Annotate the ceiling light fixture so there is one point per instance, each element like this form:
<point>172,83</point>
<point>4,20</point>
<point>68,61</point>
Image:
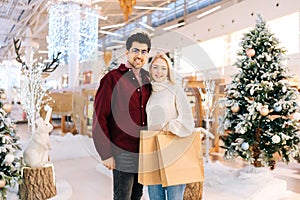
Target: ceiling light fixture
<point>112,26</point>
<point>150,8</point>
<point>110,33</point>
<point>114,47</point>
<point>147,26</point>
<point>102,17</point>
<point>118,41</point>
<point>208,12</point>
<point>84,2</point>
<point>41,51</point>
<point>96,14</point>
<point>97,1</point>
<point>173,26</point>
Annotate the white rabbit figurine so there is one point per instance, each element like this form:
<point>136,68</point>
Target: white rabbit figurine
<point>36,154</point>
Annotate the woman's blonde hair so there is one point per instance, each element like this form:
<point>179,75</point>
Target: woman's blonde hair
<point>169,65</point>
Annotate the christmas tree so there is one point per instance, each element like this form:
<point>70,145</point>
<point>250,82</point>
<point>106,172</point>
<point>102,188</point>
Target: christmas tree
<point>9,148</point>
<point>260,102</point>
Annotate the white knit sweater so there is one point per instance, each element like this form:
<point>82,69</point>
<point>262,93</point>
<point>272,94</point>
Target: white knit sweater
<point>168,109</point>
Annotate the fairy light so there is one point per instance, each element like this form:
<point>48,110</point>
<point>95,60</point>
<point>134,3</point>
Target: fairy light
<point>64,16</point>
<point>210,106</point>
<point>33,92</point>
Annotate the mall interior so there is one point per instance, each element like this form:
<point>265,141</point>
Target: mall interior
<point>53,53</point>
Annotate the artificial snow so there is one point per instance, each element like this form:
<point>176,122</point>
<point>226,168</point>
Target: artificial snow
<point>80,175</point>
<point>248,183</point>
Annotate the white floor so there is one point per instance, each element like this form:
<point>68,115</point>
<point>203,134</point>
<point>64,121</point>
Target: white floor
<point>80,175</point>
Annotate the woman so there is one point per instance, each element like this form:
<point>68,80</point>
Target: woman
<point>167,109</point>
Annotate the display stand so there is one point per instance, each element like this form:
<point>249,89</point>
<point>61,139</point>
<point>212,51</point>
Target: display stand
<point>193,191</point>
<point>76,103</point>
<point>196,84</point>
<point>38,183</point>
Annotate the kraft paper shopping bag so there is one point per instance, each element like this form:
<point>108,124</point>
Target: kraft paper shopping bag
<point>180,158</point>
<point>149,173</point>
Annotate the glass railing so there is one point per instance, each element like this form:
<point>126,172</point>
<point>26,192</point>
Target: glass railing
<point>159,18</point>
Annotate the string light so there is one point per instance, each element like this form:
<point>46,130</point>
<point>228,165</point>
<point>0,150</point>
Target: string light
<point>33,92</point>
<point>63,17</point>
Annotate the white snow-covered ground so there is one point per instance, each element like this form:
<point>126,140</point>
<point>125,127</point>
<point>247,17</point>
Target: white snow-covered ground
<point>248,183</point>
<point>80,175</point>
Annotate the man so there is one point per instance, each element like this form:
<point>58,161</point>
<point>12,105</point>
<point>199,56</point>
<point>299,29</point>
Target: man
<point>119,116</point>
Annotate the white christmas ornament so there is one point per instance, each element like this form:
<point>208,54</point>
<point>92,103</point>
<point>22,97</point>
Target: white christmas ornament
<point>264,111</point>
<point>245,146</point>
<point>277,108</point>
<point>276,139</point>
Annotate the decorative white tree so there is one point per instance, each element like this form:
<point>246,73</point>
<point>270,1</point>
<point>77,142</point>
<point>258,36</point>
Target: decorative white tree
<point>33,93</point>
<point>260,102</point>
<point>210,91</point>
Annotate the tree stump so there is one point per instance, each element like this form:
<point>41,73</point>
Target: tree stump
<point>193,191</point>
<point>37,183</point>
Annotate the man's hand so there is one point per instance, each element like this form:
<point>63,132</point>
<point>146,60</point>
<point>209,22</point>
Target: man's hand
<point>109,163</point>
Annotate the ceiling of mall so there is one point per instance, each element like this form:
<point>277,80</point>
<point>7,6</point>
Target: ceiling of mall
<point>28,19</point>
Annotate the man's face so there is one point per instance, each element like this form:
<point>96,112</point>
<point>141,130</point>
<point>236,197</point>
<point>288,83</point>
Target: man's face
<point>137,54</point>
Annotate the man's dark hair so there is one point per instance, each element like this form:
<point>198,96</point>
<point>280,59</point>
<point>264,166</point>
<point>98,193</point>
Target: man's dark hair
<point>139,37</point>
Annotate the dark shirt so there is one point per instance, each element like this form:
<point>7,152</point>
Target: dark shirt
<point>119,112</point>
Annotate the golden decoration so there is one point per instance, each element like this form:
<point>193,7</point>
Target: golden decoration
<point>107,55</point>
<point>7,107</point>
<point>2,183</point>
<point>126,6</point>
<point>250,52</point>
<point>3,96</point>
<point>235,108</point>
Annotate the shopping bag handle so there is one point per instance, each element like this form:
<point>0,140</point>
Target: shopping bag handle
<point>161,131</point>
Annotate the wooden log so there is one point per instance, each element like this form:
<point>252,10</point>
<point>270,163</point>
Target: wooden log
<point>193,191</point>
<point>37,183</point>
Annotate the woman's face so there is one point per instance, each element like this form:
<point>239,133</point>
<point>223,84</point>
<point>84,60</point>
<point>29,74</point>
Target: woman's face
<point>159,70</point>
